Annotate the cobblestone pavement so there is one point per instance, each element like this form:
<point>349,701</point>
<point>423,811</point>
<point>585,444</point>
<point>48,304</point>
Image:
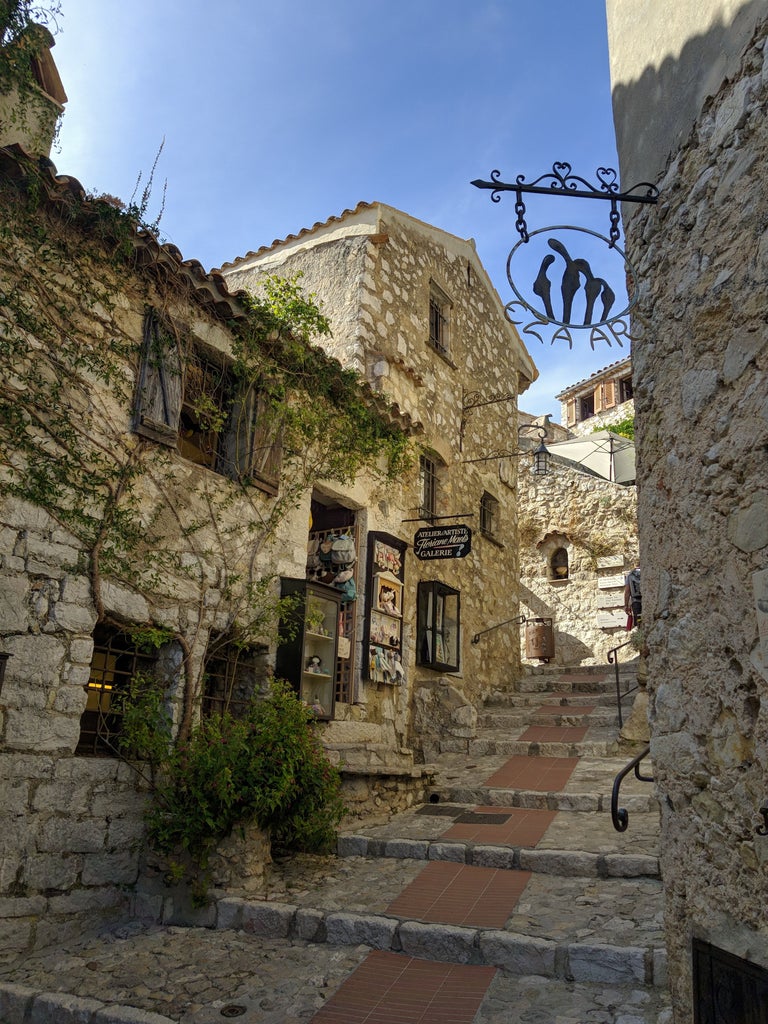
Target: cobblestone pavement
<point>580,943</point>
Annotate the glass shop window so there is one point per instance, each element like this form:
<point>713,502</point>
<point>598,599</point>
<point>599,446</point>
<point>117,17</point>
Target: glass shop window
<point>438,626</point>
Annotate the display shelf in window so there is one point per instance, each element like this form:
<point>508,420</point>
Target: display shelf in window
<point>438,623</point>
<point>306,655</point>
<point>384,610</point>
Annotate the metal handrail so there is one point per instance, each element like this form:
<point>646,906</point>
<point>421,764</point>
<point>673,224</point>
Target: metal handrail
<point>620,815</point>
<point>613,660</point>
<point>518,618</point>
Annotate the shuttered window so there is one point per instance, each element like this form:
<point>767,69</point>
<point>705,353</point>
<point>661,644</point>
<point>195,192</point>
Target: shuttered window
<point>189,399</point>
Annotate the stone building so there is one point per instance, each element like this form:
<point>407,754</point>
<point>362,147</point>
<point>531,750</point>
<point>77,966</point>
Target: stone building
<point>604,398</point>
<point>84,609</point>
<point>578,539</point>
<point>412,309</point>
<point>690,91</point>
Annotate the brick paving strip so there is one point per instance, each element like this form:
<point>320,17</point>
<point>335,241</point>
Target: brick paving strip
<point>391,989</point>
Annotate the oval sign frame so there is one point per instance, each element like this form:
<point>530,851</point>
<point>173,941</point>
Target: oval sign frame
<point>562,323</point>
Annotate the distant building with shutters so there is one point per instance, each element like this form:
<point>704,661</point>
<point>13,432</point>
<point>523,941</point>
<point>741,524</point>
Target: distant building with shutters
<point>602,399</point>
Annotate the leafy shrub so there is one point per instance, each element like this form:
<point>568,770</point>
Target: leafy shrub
<point>266,766</point>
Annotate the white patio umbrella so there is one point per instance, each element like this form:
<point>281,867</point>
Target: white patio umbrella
<point>605,453</point>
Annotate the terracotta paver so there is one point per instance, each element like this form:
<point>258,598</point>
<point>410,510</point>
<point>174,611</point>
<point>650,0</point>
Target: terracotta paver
<point>388,988</point>
<point>553,734</point>
<point>516,826</point>
<point>449,893</point>
<point>542,774</point>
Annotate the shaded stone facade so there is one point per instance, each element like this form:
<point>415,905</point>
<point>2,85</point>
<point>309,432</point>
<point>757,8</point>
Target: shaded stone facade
<point>701,379</point>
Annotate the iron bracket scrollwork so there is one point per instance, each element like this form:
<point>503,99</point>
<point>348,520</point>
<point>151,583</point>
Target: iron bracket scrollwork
<point>762,830</point>
<point>560,181</point>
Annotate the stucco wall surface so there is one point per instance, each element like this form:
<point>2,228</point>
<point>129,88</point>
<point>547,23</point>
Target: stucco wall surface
<point>667,59</point>
<point>701,380</point>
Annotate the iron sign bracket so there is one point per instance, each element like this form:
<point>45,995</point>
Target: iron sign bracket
<point>560,181</point>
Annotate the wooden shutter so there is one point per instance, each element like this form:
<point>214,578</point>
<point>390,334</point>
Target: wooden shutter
<point>598,398</point>
<point>610,394</point>
<point>570,414</point>
<point>253,447</point>
<point>160,385</point>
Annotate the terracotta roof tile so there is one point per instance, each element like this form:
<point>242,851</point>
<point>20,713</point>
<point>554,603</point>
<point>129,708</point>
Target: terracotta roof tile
<point>301,234</point>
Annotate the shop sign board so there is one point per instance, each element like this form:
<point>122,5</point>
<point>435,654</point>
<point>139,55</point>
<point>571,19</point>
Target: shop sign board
<point>432,542</point>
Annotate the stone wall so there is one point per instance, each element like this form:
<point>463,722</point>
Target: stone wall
<point>595,522</point>
<point>71,829</point>
<point>372,270</point>
<point>701,379</point>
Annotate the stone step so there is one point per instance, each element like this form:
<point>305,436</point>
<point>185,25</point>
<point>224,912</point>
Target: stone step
<point>284,981</point>
<point>558,926</point>
<point>569,715</point>
<point>548,1000</point>
<point>502,744</point>
<point>506,827</point>
<point>563,863</point>
<point>535,698</point>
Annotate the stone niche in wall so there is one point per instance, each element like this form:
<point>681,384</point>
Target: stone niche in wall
<point>556,553</point>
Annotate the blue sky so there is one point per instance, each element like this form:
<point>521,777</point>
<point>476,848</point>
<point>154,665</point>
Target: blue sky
<point>278,115</point>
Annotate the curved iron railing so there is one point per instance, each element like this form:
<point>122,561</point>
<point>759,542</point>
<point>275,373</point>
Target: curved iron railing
<point>614,660</point>
<point>620,815</point>
<point>518,618</point>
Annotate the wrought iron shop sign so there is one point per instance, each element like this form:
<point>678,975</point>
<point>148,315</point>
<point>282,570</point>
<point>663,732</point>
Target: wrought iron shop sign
<point>566,294</point>
<point>432,542</point>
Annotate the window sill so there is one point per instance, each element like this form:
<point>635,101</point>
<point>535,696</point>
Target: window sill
<point>445,356</point>
<point>493,539</point>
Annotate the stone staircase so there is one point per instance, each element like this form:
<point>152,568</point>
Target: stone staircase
<point>506,896</point>
<point>512,865</point>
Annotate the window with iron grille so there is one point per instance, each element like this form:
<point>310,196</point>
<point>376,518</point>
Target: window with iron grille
<point>427,487</point>
<point>187,398</point>
<point>232,675</point>
<point>115,663</point>
<point>439,320</point>
<point>489,515</point>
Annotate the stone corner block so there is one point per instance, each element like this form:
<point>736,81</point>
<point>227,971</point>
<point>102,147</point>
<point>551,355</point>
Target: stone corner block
<point>445,943</point>
<point>309,925</point>
<point>416,849</point>
<point>15,1001</point>
<point>566,863</point>
<point>269,920</point>
<point>356,929</point>
<point>61,1008</point>
<point>229,913</point>
<point>612,964</point>
<point>128,1015</point>
<point>660,976</point>
<point>456,852</point>
<point>352,846</point>
<point>502,857</point>
<point>627,865</point>
<point>518,954</point>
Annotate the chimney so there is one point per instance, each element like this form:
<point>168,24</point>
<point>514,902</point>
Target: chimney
<point>32,97</point>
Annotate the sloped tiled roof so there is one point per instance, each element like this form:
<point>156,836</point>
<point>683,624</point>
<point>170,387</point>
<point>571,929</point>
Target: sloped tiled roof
<point>165,259</point>
<point>612,367</point>
<point>336,219</point>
